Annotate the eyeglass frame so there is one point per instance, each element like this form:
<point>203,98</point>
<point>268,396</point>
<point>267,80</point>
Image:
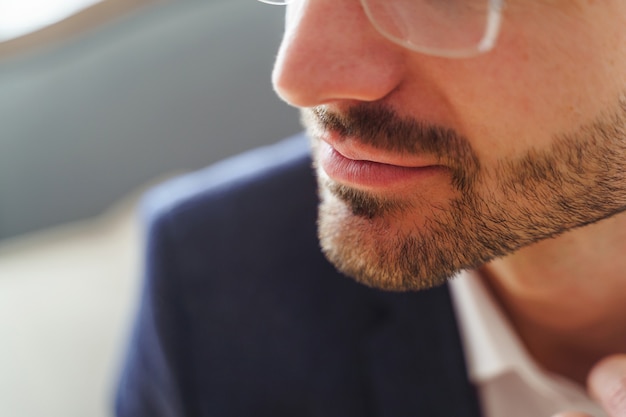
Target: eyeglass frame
<point>486,44</point>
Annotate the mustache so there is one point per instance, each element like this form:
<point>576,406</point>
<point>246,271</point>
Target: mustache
<point>380,127</point>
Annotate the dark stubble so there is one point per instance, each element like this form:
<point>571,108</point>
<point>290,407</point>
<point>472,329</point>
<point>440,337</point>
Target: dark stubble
<point>580,178</point>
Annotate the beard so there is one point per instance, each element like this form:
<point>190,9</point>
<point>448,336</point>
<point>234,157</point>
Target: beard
<point>412,242</point>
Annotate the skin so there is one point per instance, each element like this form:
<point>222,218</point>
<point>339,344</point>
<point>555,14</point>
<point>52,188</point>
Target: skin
<point>558,68</point>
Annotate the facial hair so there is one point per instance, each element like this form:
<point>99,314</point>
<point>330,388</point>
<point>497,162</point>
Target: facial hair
<point>408,242</point>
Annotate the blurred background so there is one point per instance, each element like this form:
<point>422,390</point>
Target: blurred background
<point>99,100</point>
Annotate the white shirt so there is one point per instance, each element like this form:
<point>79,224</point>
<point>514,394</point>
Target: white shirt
<point>509,382</point>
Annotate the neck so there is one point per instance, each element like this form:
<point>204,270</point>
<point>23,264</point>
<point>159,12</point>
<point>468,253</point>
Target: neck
<point>566,297</point>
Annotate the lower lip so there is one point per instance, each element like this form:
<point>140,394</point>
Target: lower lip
<point>368,174</point>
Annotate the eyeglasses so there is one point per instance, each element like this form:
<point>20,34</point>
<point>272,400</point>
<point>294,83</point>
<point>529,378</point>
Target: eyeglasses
<point>446,28</point>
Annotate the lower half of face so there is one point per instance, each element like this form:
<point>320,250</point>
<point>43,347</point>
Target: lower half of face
<point>400,228</point>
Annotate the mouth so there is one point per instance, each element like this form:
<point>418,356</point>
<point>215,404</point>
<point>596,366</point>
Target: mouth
<point>374,170</point>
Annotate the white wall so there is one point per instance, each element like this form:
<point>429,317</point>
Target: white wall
<point>172,89</point>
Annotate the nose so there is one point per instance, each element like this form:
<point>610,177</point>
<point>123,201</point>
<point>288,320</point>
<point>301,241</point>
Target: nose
<point>330,52</point>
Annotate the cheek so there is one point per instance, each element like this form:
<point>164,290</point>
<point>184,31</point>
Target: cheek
<point>532,86</point>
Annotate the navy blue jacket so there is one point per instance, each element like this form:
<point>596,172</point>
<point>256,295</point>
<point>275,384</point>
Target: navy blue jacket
<point>242,316</point>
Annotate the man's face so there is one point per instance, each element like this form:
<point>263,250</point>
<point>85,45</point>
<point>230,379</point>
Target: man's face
<point>429,165</point>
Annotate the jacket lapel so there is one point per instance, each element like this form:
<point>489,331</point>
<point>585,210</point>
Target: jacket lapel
<point>415,359</point>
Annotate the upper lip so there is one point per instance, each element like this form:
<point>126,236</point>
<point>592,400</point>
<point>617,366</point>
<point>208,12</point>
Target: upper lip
<point>353,149</point>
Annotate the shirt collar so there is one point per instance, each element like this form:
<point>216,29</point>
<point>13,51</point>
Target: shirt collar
<point>492,347</point>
